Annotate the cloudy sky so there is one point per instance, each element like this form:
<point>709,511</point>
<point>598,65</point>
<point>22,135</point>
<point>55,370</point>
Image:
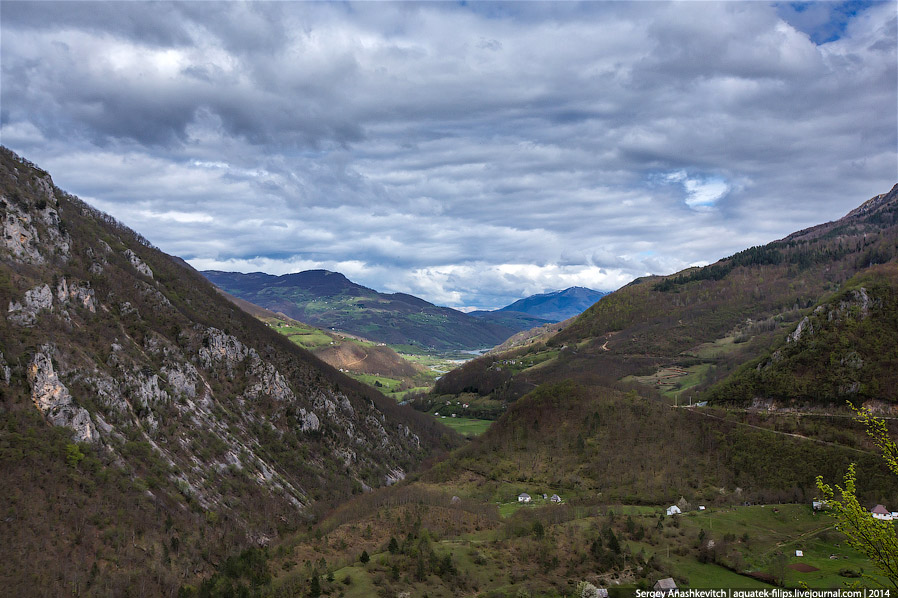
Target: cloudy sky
<point>467,153</point>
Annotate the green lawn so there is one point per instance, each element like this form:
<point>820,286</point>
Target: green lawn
<point>719,348</point>
<point>466,426</point>
<point>387,385</point>
<point>674,380</point>
<point>307,337</point>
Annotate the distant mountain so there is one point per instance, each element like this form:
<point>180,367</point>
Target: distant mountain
<point>513,320</point>
<point>553,307</point>
<point>330,300</point>
<point>540,312</point>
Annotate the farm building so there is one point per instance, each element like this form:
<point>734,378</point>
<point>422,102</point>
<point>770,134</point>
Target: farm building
<point>666,586</point>
<point>673,510</point>
<point>523,497</point>
<point>880,512</point>
<point>555,498</point>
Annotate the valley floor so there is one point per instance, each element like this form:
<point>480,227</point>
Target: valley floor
<point>418,541</point>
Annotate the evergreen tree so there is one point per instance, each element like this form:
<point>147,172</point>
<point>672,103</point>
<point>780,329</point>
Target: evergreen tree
<point>315,587</point>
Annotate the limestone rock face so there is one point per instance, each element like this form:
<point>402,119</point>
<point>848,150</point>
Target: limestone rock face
<point>308,421</point>
<point>52,398</point>
<point>31,228</point>
<point>35,300</point>
<point>19,235</point>
<point>40,298</point>
<point>138,263</point>
<point>219,347</point>
<point>137,362</point>
<point>804,327</point>
<point>227,350</point>
<point>79,294</point>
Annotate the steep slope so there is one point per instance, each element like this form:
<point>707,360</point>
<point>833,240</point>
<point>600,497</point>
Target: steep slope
<point>846,349</point>
<point>148,426</point>
<point>703,321</point>
<point>598,444</point>
<point>330,300</point>
<point>338,350</point>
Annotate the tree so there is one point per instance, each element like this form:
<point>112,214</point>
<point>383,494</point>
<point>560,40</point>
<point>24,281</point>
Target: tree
<point>779,566</point>
<point>876,539</point>
<point>315,587</point>
<point>586,590</point>
<point>364,558</point>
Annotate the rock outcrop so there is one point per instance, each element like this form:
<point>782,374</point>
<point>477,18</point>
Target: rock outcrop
<point>53,399</point>
<point>138,263</point>
<point>188,406</point>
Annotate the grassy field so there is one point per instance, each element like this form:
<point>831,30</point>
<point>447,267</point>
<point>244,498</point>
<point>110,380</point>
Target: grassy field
<point>672,381</point>
<point>542,549</point>
<point>307,337</point>
<point>387,385</point>
<point>767,537</point>
<point>466,426</point>
<point>719,348</point>
<point>438,362</point>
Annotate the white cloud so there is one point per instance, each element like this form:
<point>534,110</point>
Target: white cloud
<point>466,156</point>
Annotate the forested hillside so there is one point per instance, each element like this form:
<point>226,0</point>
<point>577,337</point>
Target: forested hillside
<point>148,427</point>
<point>330,300</point>
<point>706,322</point>
<point>845,349</point>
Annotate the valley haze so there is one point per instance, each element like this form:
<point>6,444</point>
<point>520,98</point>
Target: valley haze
<point>469,154</point>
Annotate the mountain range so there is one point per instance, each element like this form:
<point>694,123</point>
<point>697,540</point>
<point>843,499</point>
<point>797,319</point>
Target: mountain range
<point>720,390</point>
<point>330,300</point>
<point>156,439</point>
<point>552,307</point>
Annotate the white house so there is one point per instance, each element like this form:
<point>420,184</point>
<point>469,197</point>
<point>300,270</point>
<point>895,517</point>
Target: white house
<point>880,512</point>
<point>523,497</point>
<point>673,510</point>
<point>555,498</point>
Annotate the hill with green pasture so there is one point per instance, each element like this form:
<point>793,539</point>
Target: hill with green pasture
<point>331,301</point>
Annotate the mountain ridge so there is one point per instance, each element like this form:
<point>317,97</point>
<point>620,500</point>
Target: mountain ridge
<point>129,385</point>
<point>557,306</point>
<point>330,300</point>
<point>709,319</point>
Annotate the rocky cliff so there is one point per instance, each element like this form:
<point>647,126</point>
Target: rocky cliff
<point>219,428</point>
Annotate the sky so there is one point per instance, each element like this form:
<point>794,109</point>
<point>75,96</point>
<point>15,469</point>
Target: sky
<point>467,153</point>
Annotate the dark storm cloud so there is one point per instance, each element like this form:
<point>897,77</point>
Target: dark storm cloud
<point>467,154</point>
<point>158,24</point>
